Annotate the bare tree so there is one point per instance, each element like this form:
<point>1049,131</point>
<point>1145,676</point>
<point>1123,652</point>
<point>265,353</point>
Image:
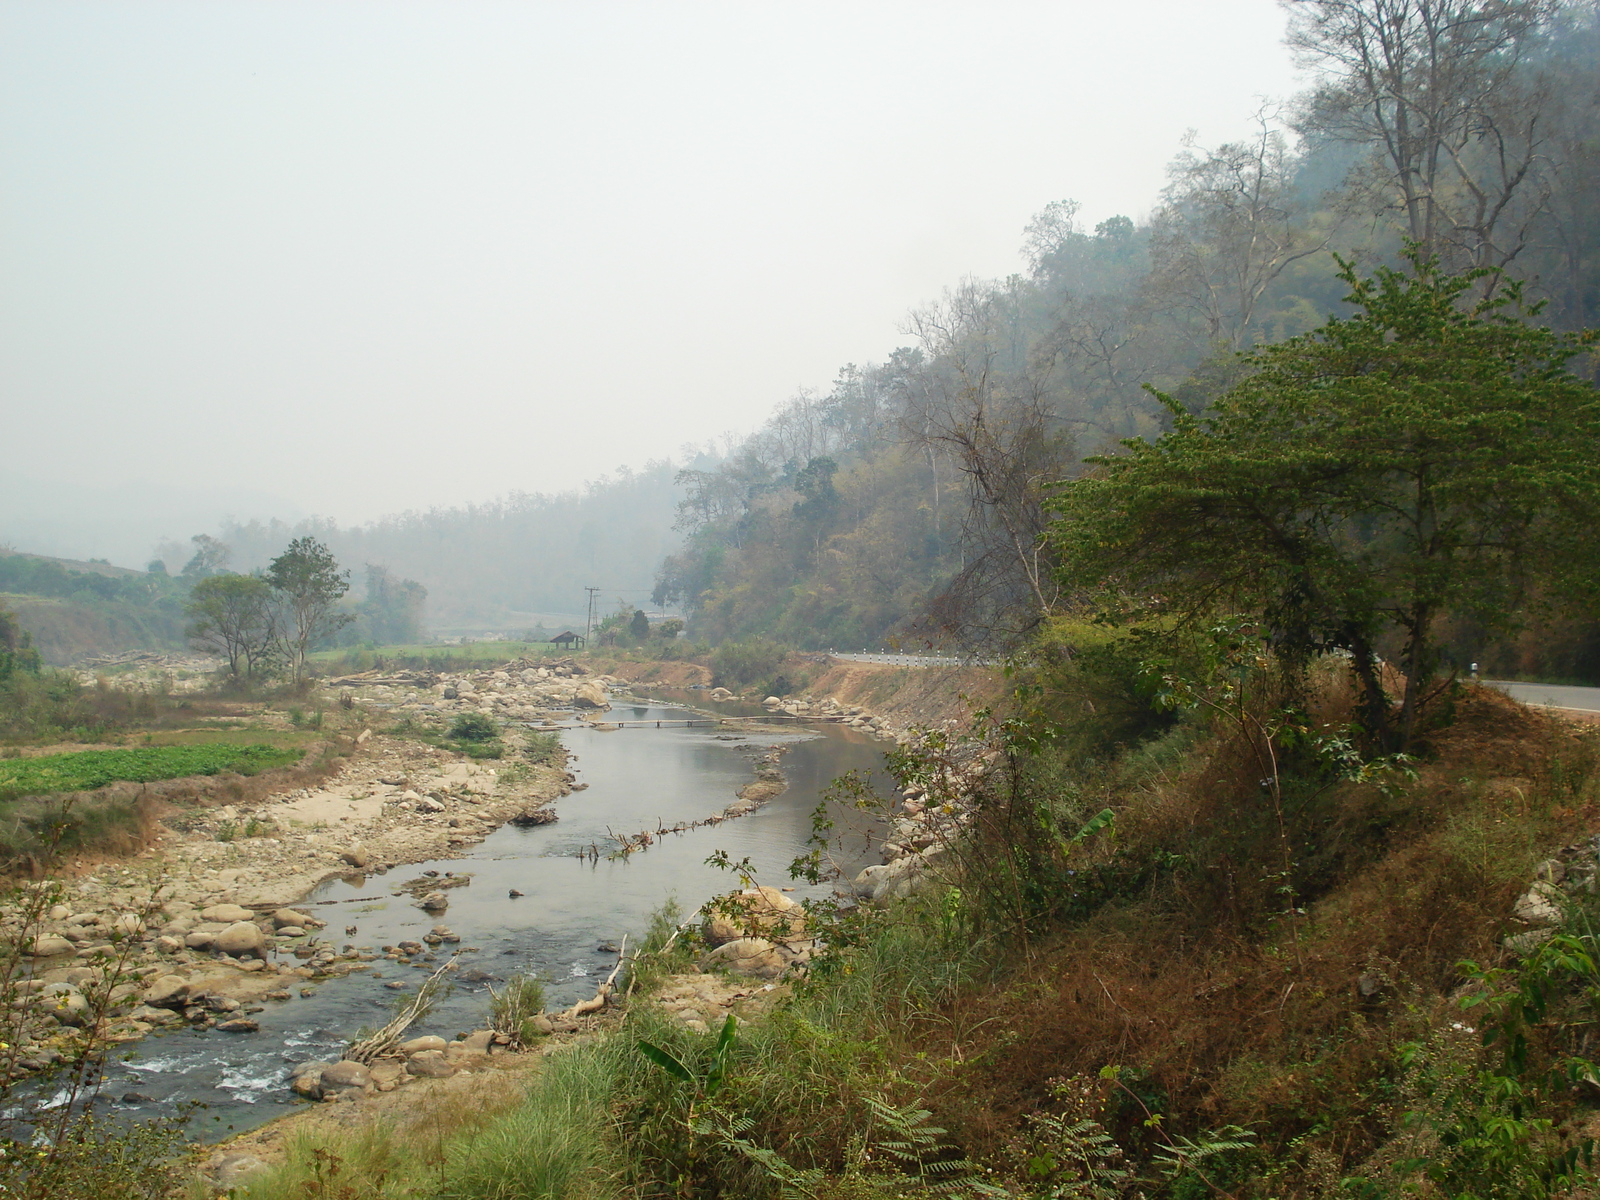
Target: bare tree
<point>1231,225</point>
<point>977,401</point>
<point>1438,89</point>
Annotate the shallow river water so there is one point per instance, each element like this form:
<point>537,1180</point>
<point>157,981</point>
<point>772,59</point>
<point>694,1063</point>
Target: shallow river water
<point>570,907</point>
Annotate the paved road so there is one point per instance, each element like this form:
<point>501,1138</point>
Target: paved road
<point>1557,695</point>
<point>903,660</point>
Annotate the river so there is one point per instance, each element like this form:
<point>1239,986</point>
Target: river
<point>637,777</point>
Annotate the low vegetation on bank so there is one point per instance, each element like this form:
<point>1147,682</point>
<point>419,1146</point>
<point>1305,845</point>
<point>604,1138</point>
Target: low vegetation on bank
<point>1182,949</point>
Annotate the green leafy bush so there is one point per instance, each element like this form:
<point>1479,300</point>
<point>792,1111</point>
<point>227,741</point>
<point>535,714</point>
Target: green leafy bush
<point>473,727</point>
<point>737,665</point>
<point>513,1008</point>
<point>542,748</point>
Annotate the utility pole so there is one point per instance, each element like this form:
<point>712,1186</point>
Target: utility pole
<point>588,627</point>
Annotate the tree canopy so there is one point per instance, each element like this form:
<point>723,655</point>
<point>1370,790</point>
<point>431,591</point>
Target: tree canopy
<point>308,579</point>
<point>1423,457</point>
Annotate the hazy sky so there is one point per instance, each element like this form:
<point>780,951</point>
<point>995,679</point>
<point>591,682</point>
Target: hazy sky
<point>348,258</point>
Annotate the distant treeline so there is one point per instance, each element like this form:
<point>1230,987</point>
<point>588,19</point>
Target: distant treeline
<point>494,563</point>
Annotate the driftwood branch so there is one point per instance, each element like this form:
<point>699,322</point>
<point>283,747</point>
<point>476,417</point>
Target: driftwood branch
<point>584,1007</point>
<point>369,1049</point>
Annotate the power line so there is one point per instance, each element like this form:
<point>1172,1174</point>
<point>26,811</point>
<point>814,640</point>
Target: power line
<point>588,627</point>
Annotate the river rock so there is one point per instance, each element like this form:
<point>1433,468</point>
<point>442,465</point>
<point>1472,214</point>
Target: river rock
<point>226,914</point>
<point>590,695</point>
<point>430,1064</point>
<point>66,1004</point>
<point>429,804</point>
<point>128,925</point>
<point>168,945</point>
<point>154,1016</point>
<point>356,856</point>
<point>308,1083</point>
<point>346,1074</point>
<point>419,1045</point>
<point>434,902</point>
<point>288,918</point>
<point>763,911</point>
<point>755,957</point>
<point>906,876</point>
<point>49,945</point>
<point>241,938</point>
<point>1540,904</point>
<point>720,694</point>
<point>200,939</point>
<point>168,991</point>
<point>239,1025</point>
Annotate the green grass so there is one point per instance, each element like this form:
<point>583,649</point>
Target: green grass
<point>89,769</point>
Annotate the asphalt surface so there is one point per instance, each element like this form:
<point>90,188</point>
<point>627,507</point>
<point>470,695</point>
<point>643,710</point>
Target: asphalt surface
<point>1584,699</point>
<point>903,660</point>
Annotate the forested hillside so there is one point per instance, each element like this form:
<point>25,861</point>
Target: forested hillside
<point>72,608</point>
<point>909,499</point>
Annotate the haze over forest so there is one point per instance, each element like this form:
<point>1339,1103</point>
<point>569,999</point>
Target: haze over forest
<point>417,297</point>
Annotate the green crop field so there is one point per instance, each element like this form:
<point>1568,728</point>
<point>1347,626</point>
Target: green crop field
<point>88,769</point>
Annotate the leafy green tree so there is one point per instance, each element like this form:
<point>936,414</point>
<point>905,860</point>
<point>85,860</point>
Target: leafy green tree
<point>234,616</point>
<point>1425,456</point>
<point>393,608</point>
<point>309,586</point>
<point>639,626</point>
<point>16,647</point>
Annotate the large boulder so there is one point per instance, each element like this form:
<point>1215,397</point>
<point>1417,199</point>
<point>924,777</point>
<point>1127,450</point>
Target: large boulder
<point>168,991</point>
<point>242,938</point>
<point>430,1064</point>
<point>346,1074</point>
<point>755,957</point>
<point>590,695</point>
<point>762,912</point>
<point>419,1045</point>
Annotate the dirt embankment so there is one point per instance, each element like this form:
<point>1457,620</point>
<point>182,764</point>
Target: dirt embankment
<point>678,673</point>
<point>907,697</point>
